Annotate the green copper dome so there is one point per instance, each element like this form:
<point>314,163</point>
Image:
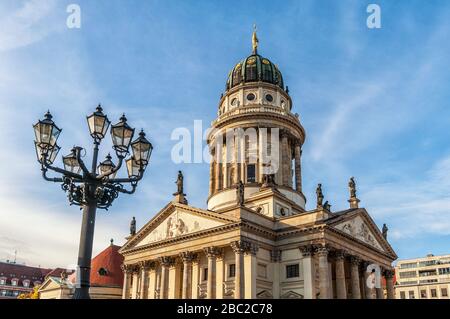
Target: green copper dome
<point>255,68</point>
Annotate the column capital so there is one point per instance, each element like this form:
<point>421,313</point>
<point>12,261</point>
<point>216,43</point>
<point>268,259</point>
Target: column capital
<point>126,268</point>
<point>389,273</point>
<point>212,252</point>
<point>364,264</point>
<point>355,260</point>
<point>298,144</point>
<point>146,265</point>
<point>187,256</point>
<point>308,250</point>
<point>322,250</point>
<point>275,255</point>
<point>244,247</point>
<point>166,261</point>
<point>340,254</point>
<point>284,133</point>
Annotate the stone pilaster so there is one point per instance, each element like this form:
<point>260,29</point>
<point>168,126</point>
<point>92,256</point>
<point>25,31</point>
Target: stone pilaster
<point>239,247</point>
<point>275,258</point>
<point>250,265</point>
<point>309,272</point>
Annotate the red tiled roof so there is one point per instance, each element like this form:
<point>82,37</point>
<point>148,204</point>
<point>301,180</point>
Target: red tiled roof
<point>110,260</point>
<point>11,271</point>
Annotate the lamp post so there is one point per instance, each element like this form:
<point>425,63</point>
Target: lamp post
<point>97,187</point>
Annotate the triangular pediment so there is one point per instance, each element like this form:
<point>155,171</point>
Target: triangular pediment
<point>291,295</point>
<point>50,284</point>
<point>357,227</point>
<point>176,220</point>
<point>358,224</point>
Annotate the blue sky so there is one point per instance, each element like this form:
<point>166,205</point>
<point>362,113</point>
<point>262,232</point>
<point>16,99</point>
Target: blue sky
<point>374,104</point>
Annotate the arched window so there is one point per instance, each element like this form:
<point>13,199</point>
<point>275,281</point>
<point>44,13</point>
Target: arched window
<point>266,71</point>
<point>237,75</point>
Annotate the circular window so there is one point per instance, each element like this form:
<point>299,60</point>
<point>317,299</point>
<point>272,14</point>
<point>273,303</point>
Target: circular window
<point>234,101</point>
<point>251,96</point>
<point>269,98</point>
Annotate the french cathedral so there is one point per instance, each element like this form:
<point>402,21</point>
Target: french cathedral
<point>255,239</point>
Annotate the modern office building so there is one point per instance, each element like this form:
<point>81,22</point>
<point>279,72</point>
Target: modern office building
<point>423,278</point>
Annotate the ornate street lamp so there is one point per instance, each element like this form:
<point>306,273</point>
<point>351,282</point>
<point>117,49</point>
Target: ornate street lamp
<point>97,187</point>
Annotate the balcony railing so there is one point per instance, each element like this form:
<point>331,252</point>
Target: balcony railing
<point>255,109</point>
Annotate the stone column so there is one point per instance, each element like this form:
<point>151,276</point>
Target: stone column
<point>237,173</point>
<point>309,273</point>
<point>217,176</point>
<point>211,174</point>
<point>211,253</point>
<point>356,292</point>
<point>165,264</point>
<point>126,281</point>
<point>380,293</point>
<point>298,167</point>
<point>135,287</point>
<point>195,277</point>
<point>239,248</point>
<point>341,289</point>
<point>144,267</point>
<point>152,278</point>
<point>285,165</point>
<point>187,258</point>
<point>324,280</point>
<point>367,289</point>
<point>389,275</point>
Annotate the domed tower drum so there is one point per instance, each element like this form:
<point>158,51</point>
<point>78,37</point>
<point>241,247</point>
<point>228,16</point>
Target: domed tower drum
<point>256,139</point>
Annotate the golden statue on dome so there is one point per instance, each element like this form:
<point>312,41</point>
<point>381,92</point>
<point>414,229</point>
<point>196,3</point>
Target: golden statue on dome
<point>255,40</point>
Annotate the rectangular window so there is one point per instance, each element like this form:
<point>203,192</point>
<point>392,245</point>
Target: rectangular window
<point>205,274</point>
<point>444,292</point>
<point>292,271</point>
<point>232,270</point>
<point>251,173</point>
<point>427,263</point>
<point>408,274</point>
<point>402,295</point>
<point>423,294</point>
<point>408,265</point>
<point>444,271</point>
<point>411,294</point>
<point>433,293</point>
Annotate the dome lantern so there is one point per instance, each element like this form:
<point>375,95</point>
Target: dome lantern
<point>255,68</point>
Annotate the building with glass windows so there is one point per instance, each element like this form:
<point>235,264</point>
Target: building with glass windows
<point>423,278</point>
<point>16,279</point>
